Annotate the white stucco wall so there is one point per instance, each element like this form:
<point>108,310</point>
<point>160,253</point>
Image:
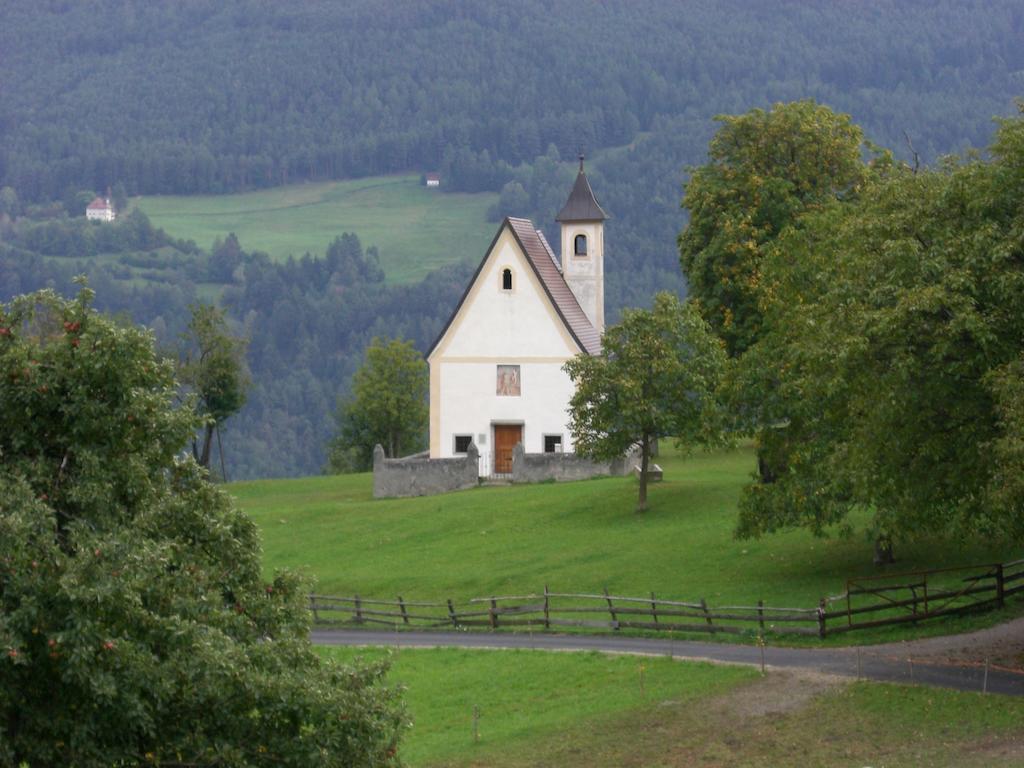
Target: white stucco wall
<point>103,214</point>
<point>519,322</point>
<point>471,407</point>
<point>498,327</point>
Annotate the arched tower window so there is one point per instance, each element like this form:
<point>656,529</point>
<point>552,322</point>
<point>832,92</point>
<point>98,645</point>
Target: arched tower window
<point>579,247</point>
<point>506,280</point>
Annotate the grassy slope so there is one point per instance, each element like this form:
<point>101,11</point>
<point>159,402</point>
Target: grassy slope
<point>574,537</point>
<point>540,708</point>
<point>523,696</point>
<point>415,229</point>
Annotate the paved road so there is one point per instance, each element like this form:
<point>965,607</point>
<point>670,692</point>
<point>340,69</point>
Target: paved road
<point>882,663</point>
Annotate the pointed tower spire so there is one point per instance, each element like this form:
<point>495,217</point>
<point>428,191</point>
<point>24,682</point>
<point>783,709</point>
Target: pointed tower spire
<point>581,205</point>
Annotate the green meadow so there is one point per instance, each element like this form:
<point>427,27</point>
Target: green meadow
<point>573,537</point>
<point>416,230</point>
<point>584,709</point>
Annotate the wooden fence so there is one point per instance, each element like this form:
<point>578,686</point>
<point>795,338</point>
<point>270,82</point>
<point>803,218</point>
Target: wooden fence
<point>876,601</point>
<point>899,598</point>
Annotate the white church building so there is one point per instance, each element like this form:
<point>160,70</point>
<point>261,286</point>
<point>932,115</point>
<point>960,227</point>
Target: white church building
<point>100,209</point>
<point>496,375</point>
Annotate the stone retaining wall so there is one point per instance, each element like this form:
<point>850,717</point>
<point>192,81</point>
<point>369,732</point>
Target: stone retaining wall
<point>540,467</point>
<point>422,476</point>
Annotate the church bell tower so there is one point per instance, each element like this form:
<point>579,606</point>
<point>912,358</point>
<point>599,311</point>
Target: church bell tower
<point>582,221</point>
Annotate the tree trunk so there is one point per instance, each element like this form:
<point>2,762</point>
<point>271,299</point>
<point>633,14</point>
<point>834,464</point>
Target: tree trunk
<point>645,460</point>
<point>772,454</point>
<point>883,549</point>
<point>204,459</point>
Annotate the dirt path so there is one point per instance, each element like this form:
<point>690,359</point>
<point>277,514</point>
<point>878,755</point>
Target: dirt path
<point>1002,645</point>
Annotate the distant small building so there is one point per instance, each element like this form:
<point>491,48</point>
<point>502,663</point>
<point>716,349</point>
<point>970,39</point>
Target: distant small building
<point>433,180</point>
<point>100,209</point>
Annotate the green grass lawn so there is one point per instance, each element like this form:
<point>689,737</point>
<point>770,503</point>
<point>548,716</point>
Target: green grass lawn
<point>416,230</point>
<point>523,697</point>
<point>573,537</point>
<point>570,709</point>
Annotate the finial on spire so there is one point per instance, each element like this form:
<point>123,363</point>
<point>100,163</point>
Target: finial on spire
<point>581,162</point>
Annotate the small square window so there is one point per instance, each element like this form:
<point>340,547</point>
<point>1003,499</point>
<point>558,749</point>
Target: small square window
<point>462,443</point>
<point>552,443</point>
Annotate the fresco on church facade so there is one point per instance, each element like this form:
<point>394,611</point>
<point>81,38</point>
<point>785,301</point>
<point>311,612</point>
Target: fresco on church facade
<point>508,380</point>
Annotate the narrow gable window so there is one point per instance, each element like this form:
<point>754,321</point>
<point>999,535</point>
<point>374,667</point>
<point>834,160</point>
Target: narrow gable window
<point>506,280</point>
<point>580,245</point>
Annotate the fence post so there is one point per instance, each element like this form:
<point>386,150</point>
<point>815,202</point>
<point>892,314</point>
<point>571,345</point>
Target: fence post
<point>359,611</point>
<point>312,607</point>
<point>611,610</point>
<point>401,605</point>
<point>451,613</point>
<point>760,615</point>
<point>547,618</point>
<point>654,608</point>
<point>821,618</point>
<point>707,616</point>
<point>493,613</point>
<point>1000,594</point>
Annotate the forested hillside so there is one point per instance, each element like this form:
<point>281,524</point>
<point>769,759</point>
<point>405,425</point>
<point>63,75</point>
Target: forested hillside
<point>213,97</point>
<point>205,96</point>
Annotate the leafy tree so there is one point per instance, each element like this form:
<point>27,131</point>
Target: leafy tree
<point>766,169</point>
<point>893,350</point>
<point>349,265</point>
<point>75,201</point>
<point>135,627</point>
<point>656,377</point>
<point>388,406</point>
<point>213,367</point>
<point>225,258</point>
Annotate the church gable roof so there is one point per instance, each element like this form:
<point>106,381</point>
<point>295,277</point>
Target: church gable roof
<point>581,205</point>
<point>540,257</point>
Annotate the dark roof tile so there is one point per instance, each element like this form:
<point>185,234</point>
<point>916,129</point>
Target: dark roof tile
<point>581,205</point>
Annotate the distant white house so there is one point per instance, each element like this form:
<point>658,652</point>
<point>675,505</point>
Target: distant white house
<point>496,375</point>
<point>433,180</point>
<point>100,209</point>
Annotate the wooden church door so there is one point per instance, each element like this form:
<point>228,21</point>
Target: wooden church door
<point>505,438</point>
